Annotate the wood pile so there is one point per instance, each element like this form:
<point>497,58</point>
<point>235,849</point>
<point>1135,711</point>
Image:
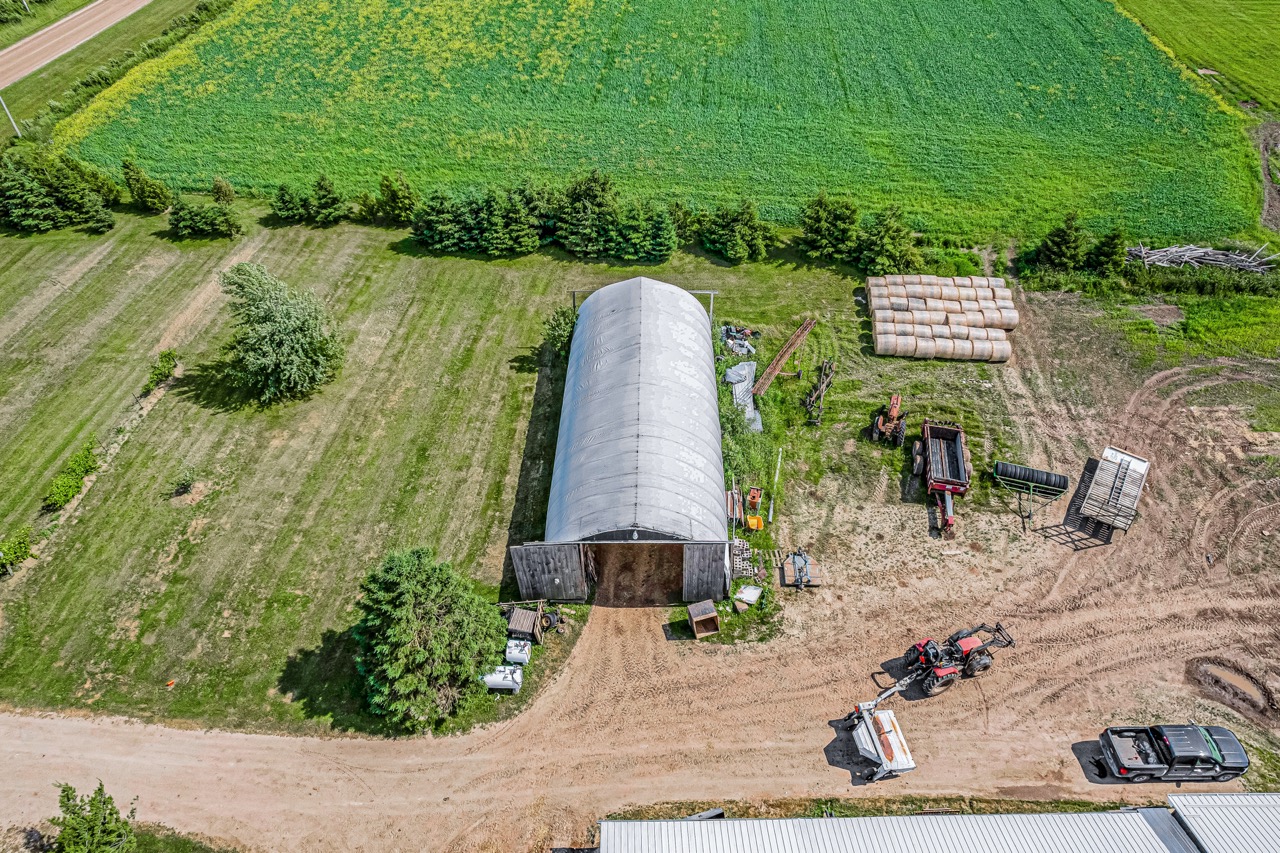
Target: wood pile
<point>1200,256</point>
<point>924,316</point>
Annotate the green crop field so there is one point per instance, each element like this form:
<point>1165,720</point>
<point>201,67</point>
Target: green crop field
<point>979,119</point>
<point>1238,39</point>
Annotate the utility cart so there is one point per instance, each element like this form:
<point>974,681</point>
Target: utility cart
<point>942,456</point>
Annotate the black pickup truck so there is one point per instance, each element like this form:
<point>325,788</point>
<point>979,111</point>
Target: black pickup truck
<point>1187,753</point>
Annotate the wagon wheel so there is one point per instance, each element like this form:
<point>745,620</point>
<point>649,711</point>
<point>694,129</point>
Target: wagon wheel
<point>917,456</point>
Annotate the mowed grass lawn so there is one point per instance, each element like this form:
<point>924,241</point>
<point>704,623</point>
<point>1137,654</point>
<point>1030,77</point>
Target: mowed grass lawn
<point>1239,39</point>
<point>981,119</point>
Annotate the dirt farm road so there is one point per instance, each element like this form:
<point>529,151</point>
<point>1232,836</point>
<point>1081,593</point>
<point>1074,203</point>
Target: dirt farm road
<point>1105,633</point>
<point>39,49</point>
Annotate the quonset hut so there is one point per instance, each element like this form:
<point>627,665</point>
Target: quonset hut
<point>638,460</point>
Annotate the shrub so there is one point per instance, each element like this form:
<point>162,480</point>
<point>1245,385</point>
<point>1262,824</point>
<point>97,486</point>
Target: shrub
<point>327,207</point>
<point>70,480</point>
<point>396,200</point>
<point>830,227</point>
<point>557,330</point>
<point>223,193</point>
<point>285,343</point>
<point>161,369</point>
<point>1063,248</point>
<point>189,219</point>
<point>184,481</point>
<point>738,234</point>
<point>1108,255</point>
<point>15,549</point>
<point>289,205</point>
<point>146,192</point>
<point>423,640</point>
<point>92,824</point>
<point>888,247</point>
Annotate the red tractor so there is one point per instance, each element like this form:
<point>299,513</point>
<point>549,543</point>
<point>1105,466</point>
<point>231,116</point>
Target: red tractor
<point>963,654</point>
<point>890,422</point>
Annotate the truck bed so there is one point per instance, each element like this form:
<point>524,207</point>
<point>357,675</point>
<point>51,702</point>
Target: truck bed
<point>1135,747</point>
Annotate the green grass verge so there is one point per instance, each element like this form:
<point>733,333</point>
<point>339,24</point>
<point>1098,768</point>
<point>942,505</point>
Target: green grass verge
<point>757,623</point>
<point>980,120</point>
<point>42,15</point>
<point>1235,38</point>
<point>31,94</point>
<point>863,807</point>
<point>1211,327</point>
<point>158,839</point>
<point>1261,401</point>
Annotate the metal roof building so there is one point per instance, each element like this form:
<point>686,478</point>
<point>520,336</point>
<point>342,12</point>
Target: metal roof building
<point>638,456</point>
<point>1230,823</point>
<point>1139,831</point>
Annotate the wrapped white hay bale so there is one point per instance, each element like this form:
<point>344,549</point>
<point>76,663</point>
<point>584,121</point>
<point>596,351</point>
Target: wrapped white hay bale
<point>990,317</point>
<point>974,318</point>
<point>879,329</point>
<point>962,281</point>
<point>961,349</point>
<point>942,348</point>
<point>876,281</point>
<point>915,291</point>
<point>903,317</point>
<point>1001,351</point>
<point>1006,305</point>
<point>1008,319</point>
<point>899,303</point>
<point>886,344</point>
<point>978,333</point>
<point>911,279</point>
<point>953,306</point>
<point>882,315</point>
<point>940,331</point>
<point>925,348</point>
<point>967,305</point>
<point>930,280</point>
<point>931,318</point>
<point>949,292</point>
<point>897,290</point>
<point>1001,290</point>
<point>916,304</point>
<point>966,294</point>
<point>986,305</point>
<point>922,331</point>
<point>997,335</point>
<point>906,346</point>
<point>931,304</point>
<point>961,332</point>
<point>981,350</point>
<point>904,329</point>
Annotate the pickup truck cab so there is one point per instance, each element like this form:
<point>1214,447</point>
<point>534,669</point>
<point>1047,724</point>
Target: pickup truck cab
<point>1190,753</point>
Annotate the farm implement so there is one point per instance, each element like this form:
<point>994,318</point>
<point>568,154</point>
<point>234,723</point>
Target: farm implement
<point>943,457</point>
<point>937,666</point>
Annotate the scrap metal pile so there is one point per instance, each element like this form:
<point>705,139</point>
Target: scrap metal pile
<point>1200,256</point>
<point>924,316</point>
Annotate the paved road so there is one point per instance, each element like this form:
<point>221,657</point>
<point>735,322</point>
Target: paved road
<point>39,49</point>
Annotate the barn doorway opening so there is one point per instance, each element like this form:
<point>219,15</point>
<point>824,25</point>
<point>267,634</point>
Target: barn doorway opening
<point>638,574</point>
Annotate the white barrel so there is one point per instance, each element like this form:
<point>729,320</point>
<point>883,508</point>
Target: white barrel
<point>1006,305</point>
<point>916,304</point>
<point>974,318</point>
<point>882,315</point>
<point>978,333</point>
<point>1008,319</point>
<point>940,331</point>
<point>882,329</point>
<point>921,330</point>
<point>925,348</point>
<point>950,292</point>
<point>961,348</point>
<point>1001,351</point>
<point>942,347</point>
<point>990,317</point>
<point>982,350</point>
<point>961,332</point>
<point>899,303</point>
<point>967,305</point>
<point>997,335</point>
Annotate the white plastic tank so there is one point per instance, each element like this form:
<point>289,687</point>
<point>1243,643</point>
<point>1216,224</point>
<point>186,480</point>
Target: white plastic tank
<point>505,678</point>
<point>519,651</point>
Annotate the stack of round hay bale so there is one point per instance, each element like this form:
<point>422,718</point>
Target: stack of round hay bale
<point>924,316</point>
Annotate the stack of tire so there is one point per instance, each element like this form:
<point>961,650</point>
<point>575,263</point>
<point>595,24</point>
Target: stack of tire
<point>924,316</point>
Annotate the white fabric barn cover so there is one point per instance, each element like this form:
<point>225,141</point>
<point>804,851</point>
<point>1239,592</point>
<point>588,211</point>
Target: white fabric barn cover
<point>638,454</point>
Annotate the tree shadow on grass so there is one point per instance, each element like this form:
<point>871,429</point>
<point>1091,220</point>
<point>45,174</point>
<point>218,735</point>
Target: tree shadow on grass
<point>533,490</point>
<point>208,386</point>
<point>324,682</point>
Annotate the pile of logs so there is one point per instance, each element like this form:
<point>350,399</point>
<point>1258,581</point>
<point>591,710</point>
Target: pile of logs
<point>1199,256</point>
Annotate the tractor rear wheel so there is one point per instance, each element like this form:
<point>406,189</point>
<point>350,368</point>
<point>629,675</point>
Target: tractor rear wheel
<point>978,664</point>
<point>900,434</point>
<point>935,684</point>
<point>875,430</point>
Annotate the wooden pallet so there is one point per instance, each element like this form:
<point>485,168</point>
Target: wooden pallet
<point>775,366</point>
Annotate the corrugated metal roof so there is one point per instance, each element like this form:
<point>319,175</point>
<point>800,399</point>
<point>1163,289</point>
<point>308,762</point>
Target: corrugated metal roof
<point>1231,823</point>
<point>639,442</point>
<point>1098,832</point>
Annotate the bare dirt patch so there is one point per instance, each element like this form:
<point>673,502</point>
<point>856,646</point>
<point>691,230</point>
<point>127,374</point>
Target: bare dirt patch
<point>1228,682</point>
<point>1163,316</point>
<point>1268,139</point>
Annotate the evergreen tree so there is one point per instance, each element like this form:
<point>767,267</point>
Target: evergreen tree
<point>1063,248</point>
<point>1108,255</point>
<point>25,204</point>
<point>396,200</point>
<point>327,206</point>
<point>146,192</point>
<point>92,824</point>
<point>738,234</point>
<point>289,205</point>
<point>40,191</point>
<point>424,639</point>
<point>830,226</point>
<point>99,181</point>
<point>589,215</point>
<point>687,222</point>
<point>188,219</point>
<point>223,193</point>
<point>888,247</point>
<point>436,224</point>
<point>510,227</point>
